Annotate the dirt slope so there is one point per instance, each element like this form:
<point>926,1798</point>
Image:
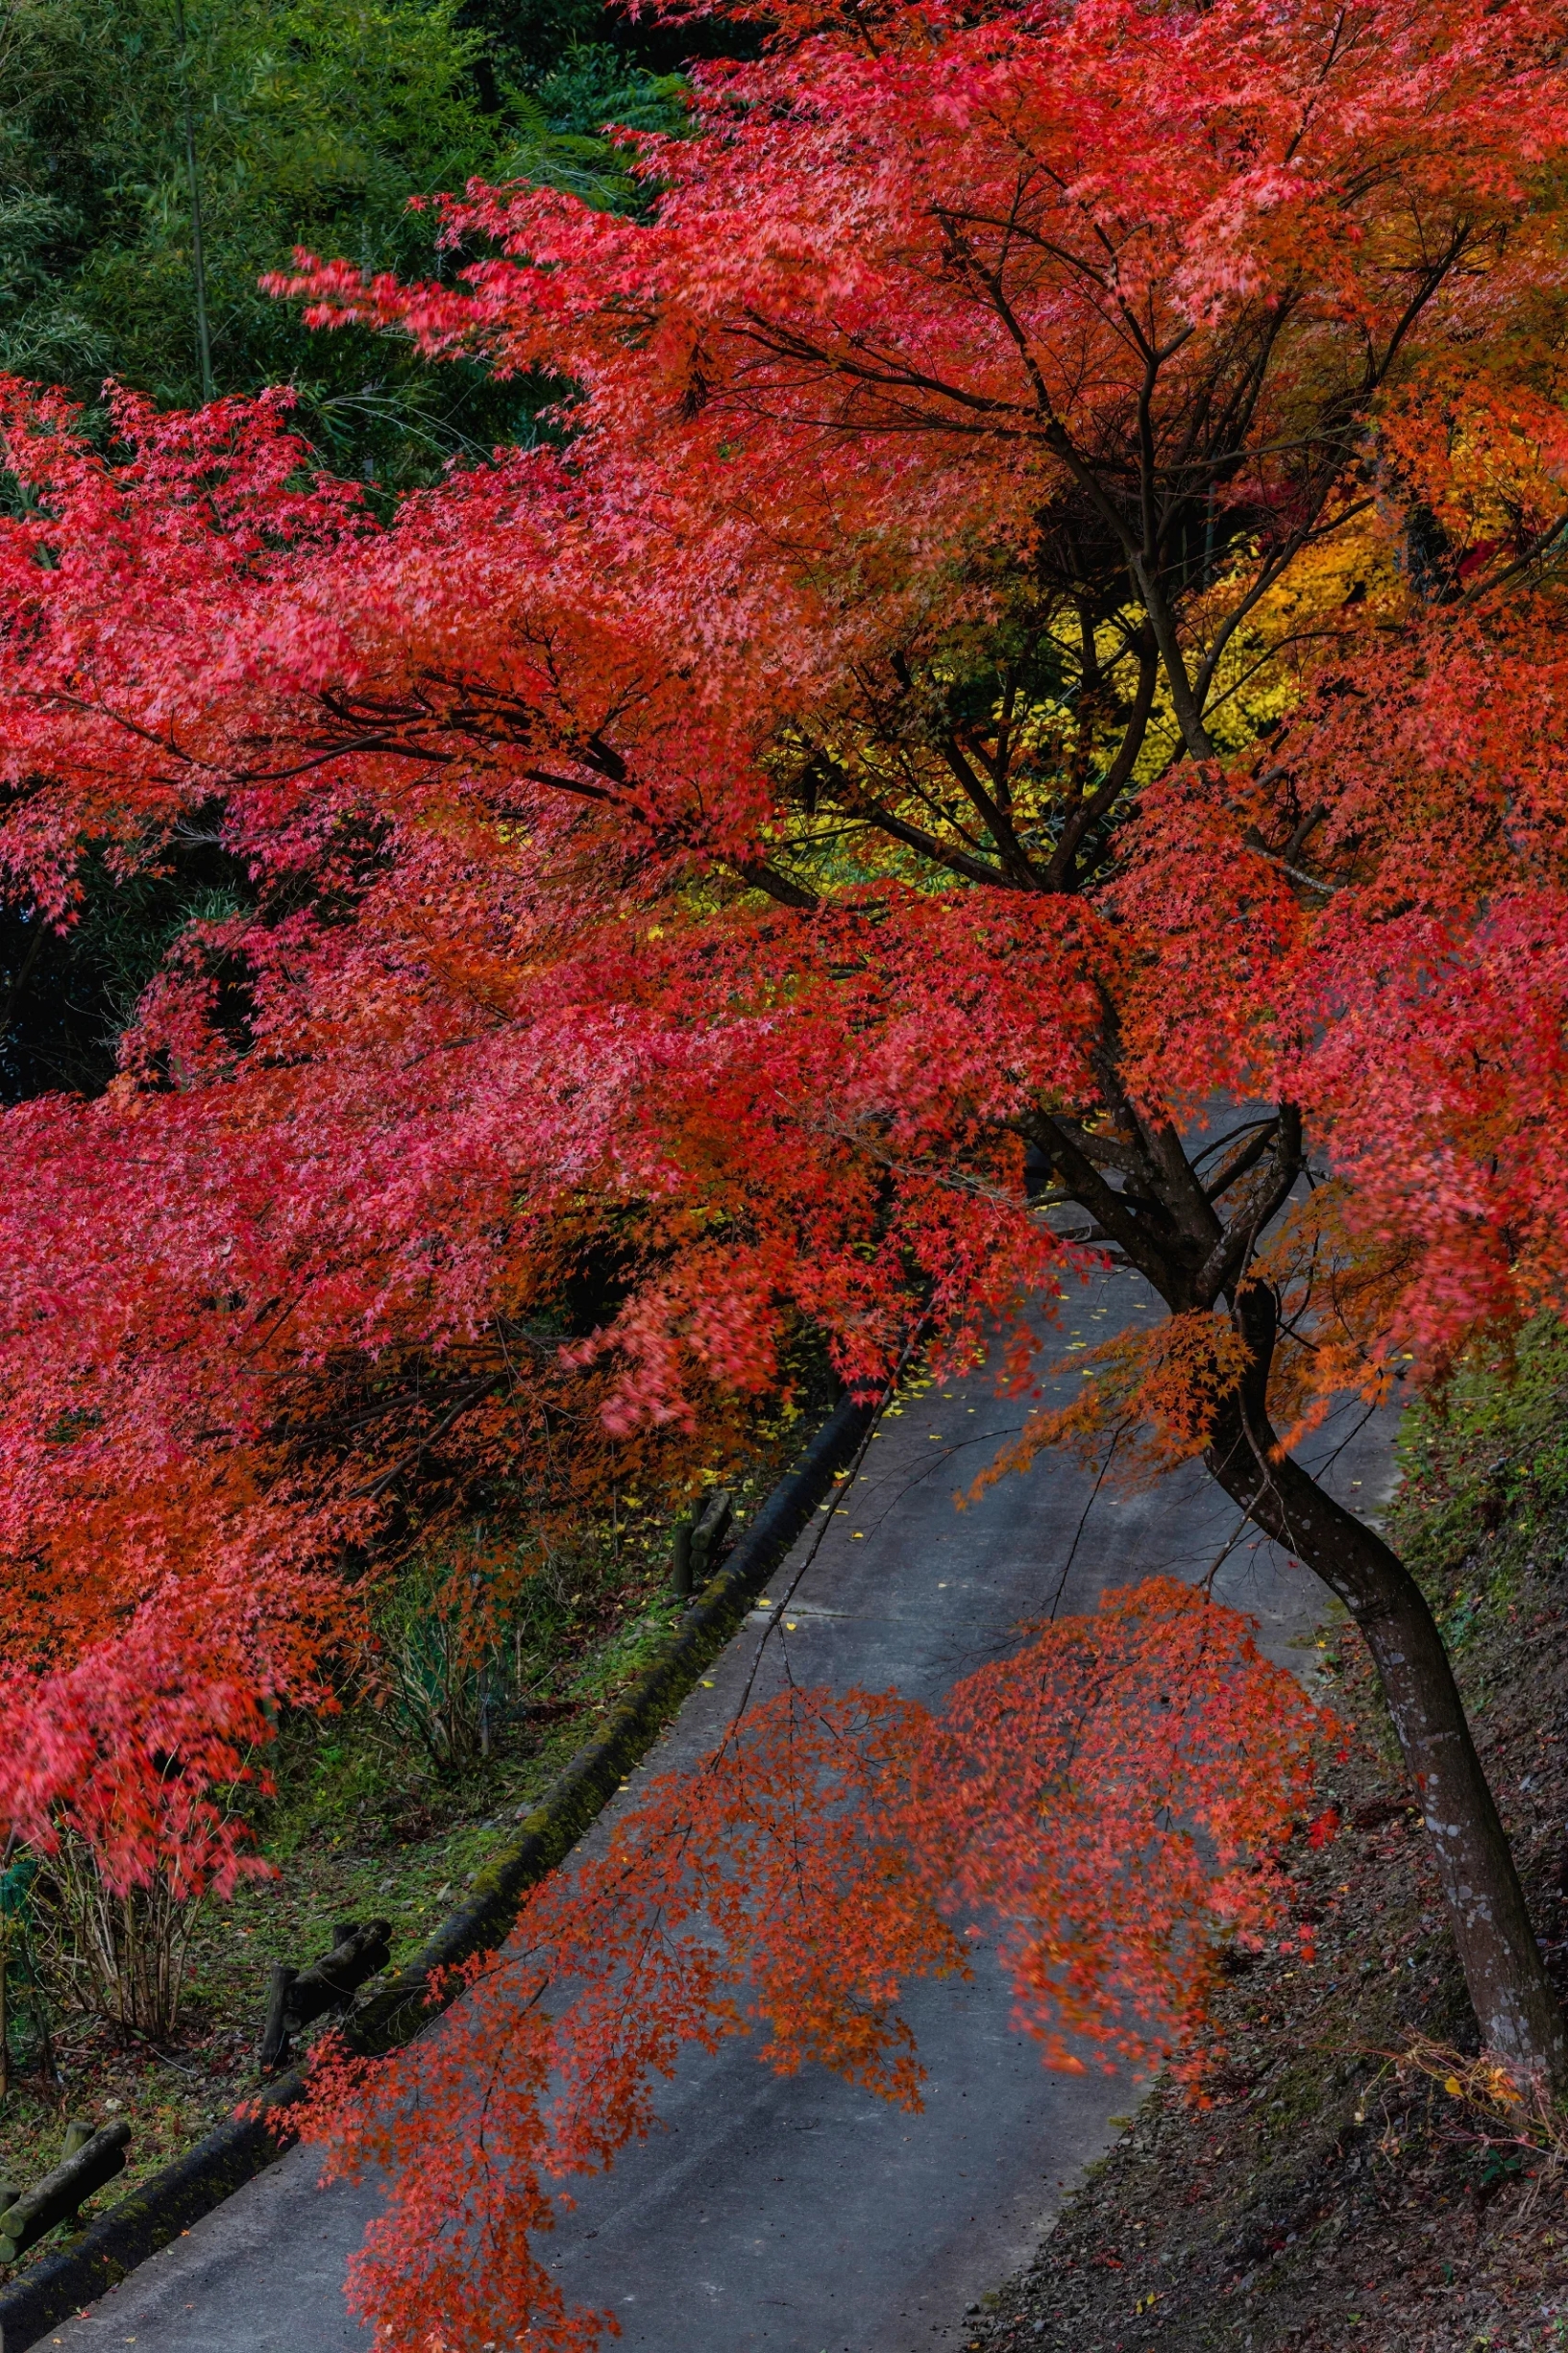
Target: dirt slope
<point>1329,2197</point>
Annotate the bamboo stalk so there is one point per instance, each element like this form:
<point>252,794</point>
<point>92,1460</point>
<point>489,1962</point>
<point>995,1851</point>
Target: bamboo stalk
<point>198,259</point>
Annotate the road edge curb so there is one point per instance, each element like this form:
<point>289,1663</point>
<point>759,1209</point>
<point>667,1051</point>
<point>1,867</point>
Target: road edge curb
<point>240,2148</point>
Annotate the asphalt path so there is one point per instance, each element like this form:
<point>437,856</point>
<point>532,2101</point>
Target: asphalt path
<point>799,2215</point>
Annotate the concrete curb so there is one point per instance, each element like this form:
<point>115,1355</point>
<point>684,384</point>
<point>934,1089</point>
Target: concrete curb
<point>235,2150</point>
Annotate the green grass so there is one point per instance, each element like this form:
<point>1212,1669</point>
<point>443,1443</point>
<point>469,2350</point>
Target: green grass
<point>1486,1450</point>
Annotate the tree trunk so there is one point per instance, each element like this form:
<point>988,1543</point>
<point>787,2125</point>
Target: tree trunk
<point>1520,2017</point>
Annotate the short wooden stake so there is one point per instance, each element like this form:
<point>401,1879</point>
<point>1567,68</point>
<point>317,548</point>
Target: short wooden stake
<point>681,1579</point>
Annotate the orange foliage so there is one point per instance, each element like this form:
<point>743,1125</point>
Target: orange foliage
<point>1148,1401</point>
<point>1105,1807</point>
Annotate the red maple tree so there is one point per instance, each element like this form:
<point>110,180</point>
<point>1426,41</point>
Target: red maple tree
<point>1046,610</point>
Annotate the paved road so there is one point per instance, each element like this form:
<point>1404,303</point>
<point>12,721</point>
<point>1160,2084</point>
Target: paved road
<point>802,2216</point>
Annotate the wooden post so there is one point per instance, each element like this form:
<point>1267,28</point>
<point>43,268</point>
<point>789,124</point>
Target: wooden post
<point>681,1579</point>
<point>56,2197</point>
<point>296,1997</point>
<point>274,2033</point>
<point>708,1534</point>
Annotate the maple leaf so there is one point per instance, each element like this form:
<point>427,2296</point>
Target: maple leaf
<point>790,1886</point>
<point>1041,623</point>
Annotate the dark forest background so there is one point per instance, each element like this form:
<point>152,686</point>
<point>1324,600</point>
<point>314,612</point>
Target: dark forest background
<point>129,129</point>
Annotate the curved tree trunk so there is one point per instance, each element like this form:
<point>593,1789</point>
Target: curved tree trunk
<point>1520,2017</point>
